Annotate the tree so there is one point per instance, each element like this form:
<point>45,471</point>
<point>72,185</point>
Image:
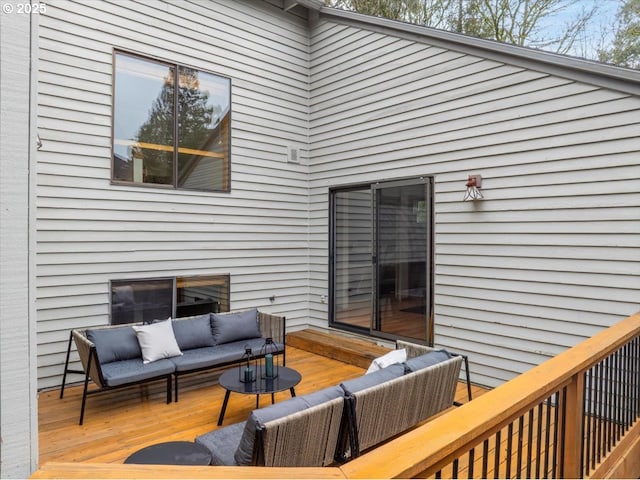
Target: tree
<point>625,48</point>
<point>519,22</point>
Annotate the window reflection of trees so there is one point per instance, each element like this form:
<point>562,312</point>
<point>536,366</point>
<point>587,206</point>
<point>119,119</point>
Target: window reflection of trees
<point>202,125</point>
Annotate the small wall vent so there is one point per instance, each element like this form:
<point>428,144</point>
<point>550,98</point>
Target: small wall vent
<point>293,155</point>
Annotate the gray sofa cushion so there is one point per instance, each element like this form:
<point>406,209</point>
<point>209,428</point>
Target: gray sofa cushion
<point>321,396</point>
<point>230,327</point>
<point>261,416</point>
<point>371,379</point>
<point>128,371</point>
<point>222,443</point>
<point>193,332</point>
<point>113,344</point>
<point>199,358</point>
<point>423,361</point>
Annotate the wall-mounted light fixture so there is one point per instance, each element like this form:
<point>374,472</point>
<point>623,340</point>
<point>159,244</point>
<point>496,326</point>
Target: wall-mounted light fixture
<point>474,184</point>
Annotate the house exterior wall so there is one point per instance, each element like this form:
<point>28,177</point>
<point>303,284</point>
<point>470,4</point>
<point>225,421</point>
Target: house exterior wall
<point>550,256</point>
<point>18,395</point>
<point>90,231</point>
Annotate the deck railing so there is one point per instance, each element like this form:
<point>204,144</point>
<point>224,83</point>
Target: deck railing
<point>576,415</point>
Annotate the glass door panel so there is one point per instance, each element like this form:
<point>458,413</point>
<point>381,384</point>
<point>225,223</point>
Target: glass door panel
<point>402,267</point>
<point>352,274</point>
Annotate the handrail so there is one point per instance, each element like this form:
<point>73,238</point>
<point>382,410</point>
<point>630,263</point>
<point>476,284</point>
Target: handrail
<point>432,446</point>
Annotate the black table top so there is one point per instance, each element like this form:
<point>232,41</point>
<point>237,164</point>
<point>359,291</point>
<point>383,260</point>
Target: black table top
<point>172,453</point>
<point>287,378</point>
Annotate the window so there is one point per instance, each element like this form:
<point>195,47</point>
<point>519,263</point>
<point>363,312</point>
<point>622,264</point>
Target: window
<point>145,300</point>
<point>167,137</point>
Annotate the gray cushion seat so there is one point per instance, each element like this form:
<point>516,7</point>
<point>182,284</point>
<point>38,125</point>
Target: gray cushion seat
<point>124,372</point>
<point>200,358</point>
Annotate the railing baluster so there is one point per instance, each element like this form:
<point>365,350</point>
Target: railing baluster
<point>618,397</point>
<point>509,450</point>
<point>519,451</point>
<point>496,463</point>
<point>547,437</point>
<point>556,436</point>
<point>539,440</point>
<point>529,444</point>
<point>472,454</point>
<point>485,458</point>
<point>600,410</point>
<point>610,388</point>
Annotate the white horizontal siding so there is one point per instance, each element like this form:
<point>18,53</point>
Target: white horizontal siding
<point>550,256</point>
<point>18,395</point>
<point>90,232</point>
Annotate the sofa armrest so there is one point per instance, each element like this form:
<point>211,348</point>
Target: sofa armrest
<point>86,349</point>
<point>272,326</point>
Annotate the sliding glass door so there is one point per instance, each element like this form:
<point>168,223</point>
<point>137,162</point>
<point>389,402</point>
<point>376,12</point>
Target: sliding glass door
<point>380,259</point>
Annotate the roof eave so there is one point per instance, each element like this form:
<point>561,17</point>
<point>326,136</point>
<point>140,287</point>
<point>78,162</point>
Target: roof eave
<point>625,79</point>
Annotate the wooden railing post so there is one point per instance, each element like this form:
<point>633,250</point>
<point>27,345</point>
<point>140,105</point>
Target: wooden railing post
<point>571,423</point>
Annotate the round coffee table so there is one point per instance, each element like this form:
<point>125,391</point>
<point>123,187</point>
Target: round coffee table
<point>287,379</point>
<point>172,453</point>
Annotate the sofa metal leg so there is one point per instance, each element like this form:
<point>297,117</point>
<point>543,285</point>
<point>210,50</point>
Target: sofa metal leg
<point>468,375</point>
<point>170,390</point>
<point>175,387</point>
<point>84,391</point>
<point>66,365</point>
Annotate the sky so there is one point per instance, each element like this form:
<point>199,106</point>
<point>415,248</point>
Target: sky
<point>601,25</point>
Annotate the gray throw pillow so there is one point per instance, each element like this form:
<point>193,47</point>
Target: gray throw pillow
<point>428,359</point>
<point>113,344</point>
<point>230,327</point>
<point>193,332</point>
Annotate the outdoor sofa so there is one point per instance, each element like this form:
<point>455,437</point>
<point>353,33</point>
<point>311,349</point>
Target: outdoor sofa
<point>120,356</point>
<point>335,424</point>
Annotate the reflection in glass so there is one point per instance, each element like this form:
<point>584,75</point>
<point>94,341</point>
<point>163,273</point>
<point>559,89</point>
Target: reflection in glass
<point>148,111</point>
<point>145,300</point>
<point>198,295</point>
<point>402,233</point>
<point>143,126</point>
<point>134,301</point>
<point>352,263</point>
<point>203,130</point>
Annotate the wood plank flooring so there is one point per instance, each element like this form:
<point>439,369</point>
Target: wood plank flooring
<point>121,422</point>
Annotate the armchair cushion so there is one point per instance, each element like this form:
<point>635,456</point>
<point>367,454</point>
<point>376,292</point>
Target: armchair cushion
<point>372,379</point>
<point>113,344</point>
<point>229,327</point>
<point>193,332</point>
<point>417,363</point>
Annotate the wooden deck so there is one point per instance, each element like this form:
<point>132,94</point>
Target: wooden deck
<point>120,422</point>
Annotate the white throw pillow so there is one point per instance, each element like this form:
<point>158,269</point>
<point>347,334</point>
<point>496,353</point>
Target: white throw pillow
<point>157,341</point>
<point>394,356</point>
